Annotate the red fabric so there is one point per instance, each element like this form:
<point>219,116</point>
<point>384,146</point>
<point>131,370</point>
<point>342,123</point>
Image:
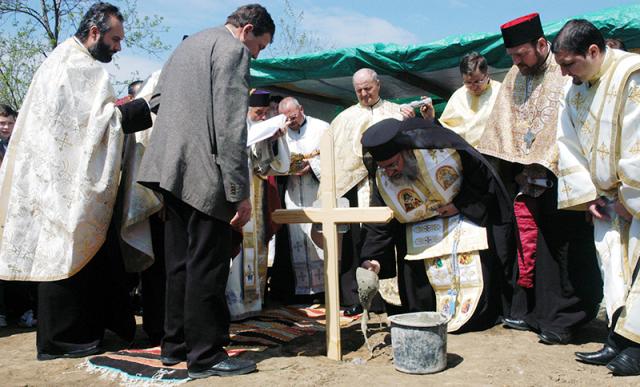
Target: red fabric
<point>123,100</point>
<point>525,208</point>
<point>519,20</point>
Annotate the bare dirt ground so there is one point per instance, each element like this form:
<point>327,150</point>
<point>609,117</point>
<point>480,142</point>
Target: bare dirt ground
<point>497,356</point>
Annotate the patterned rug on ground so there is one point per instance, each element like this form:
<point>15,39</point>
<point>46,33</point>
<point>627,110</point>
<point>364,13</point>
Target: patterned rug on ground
<point>272,328</point>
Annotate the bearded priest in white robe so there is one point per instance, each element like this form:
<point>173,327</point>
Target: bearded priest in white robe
<point>58,186</point>
<point>469,107</point>
<point>599,166</point>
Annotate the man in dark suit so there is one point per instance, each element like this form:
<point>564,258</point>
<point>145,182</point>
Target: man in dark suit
<point>197,159</point>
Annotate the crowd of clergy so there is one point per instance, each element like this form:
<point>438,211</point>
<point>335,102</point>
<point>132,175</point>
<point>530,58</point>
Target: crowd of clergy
<point>519,205</point>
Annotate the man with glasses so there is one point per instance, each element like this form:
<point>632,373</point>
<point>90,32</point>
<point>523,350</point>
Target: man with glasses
<point>468,108</point>
<point>557,284</point>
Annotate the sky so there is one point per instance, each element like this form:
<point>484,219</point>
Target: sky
<point>338,24</point>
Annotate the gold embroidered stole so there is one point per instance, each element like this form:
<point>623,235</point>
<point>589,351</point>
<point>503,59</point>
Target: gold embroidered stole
<point>437,184</point>
<point>456,278</point>
<point>254,248</point>
<point>526,104</point>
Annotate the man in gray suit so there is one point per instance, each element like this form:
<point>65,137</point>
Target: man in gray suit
<point>197,159</point>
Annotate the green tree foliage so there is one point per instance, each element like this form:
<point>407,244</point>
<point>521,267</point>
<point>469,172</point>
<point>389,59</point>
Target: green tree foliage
<point>32,29</point>
<point>291,38</point>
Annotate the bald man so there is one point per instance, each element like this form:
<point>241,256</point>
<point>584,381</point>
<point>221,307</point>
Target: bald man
<point>299,266</point>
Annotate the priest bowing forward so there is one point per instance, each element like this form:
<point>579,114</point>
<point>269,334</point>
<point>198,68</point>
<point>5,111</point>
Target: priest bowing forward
<point>444,195</point>
<point>598,172</point>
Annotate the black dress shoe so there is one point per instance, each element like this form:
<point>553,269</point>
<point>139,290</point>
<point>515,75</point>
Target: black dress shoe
<point>353,311</point>
<point>94,350</point>
<point>171,361</point>
<point>520,325</point>
<point>553,338</point>
<point>228,367</point>
<point>624,365</point>
<point>601,357</point>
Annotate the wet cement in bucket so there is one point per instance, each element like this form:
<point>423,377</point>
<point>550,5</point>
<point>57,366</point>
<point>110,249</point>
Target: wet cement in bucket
<point>419,342</point>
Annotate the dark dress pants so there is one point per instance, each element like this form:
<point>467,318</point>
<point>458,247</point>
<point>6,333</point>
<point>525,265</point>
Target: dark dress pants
<point>197,259</point>
<point>153,281</point>
<point>74,312</point>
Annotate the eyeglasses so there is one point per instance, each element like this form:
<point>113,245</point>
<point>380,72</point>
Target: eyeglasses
<point>478,82</point>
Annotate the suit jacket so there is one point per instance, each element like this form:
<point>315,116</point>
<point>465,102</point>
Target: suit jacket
<point>198,148</point>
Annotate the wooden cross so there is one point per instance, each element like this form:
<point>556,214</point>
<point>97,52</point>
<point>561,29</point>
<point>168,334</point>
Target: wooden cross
<point>330,216</point>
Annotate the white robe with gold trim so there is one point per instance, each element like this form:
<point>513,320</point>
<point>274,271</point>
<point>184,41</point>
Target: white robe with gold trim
<point>599,156</point>
<point>347,129</point>
<point>59,178</point>
<point>467,114</point>
<point>306,257</point>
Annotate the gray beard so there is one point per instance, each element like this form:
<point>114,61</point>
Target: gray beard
<point>409,172</point>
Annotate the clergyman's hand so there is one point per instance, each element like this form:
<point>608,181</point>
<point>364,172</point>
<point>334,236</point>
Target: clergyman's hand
<point>242,216</point>
<point>427,110</point>
<point>621,210</point>
<point>448,210</point>
<point>371,265</point>
<point>407,112</point>
<point>305,169</point>
<point>596,209</point>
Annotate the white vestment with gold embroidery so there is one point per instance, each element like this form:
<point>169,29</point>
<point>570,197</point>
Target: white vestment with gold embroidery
<point>467,114</point>
<point>59,178</point>
<point>449,246</point>
<point>306,257</point>
<point>599,156</point>
<point>347,129</point>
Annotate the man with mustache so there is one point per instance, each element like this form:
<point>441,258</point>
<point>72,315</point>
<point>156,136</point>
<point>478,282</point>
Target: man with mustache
<point>445,197</point>
<point>59,181</point>
<point>557,279</point>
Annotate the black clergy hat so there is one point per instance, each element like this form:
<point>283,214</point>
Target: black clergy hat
<point>378,139</point>
<point>259,98</point>
<point>521,30</point>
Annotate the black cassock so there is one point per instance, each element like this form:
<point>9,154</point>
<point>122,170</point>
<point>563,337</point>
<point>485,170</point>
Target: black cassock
<point>482,199</point>
<point>567,287</point>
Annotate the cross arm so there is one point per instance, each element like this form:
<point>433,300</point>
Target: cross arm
<point>334,215</point>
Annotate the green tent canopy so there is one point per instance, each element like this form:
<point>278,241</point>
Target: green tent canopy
<point>322,81</point>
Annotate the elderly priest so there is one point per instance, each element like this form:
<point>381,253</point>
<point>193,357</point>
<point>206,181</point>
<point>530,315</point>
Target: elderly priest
<point>445,198</point>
